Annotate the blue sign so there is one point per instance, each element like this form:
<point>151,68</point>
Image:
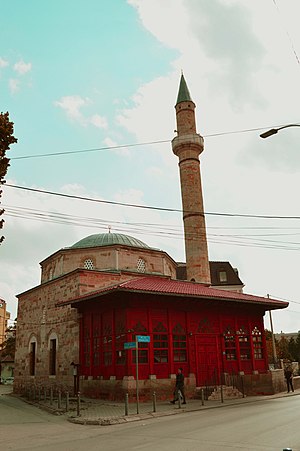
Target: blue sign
<point>143,338</point>
<point>130,345</point>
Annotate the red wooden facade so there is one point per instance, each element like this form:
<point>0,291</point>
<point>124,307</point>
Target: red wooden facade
<point>204,337</point>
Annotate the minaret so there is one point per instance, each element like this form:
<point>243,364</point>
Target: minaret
<point>188,145</point>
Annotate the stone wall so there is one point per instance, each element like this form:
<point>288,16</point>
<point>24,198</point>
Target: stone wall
<point>107,258</point>
<point>264,384</point>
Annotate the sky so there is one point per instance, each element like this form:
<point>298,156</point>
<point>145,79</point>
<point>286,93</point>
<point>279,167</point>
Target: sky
<point>91,87</point>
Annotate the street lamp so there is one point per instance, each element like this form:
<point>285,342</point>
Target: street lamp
<point>273,131</point>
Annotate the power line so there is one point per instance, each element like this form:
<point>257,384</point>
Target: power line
<point>20,211</point>
<point>98,149</point>
<point>148,143</point>
<point>148,207</point>
<point>287,33</point>
<point>161,230</point>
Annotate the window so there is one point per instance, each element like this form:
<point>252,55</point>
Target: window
<point>88,264</point>
<point>96,351</point>
<point>141,265</point>
<point>160,344</point>
<point>87,347</point>
<point>143,351</point>
<point>96,340</point>
<point>32,358</point>
<point>107,350</point>
<point>223,276</point>
<point>244,343</point>
<point>257,343</point>
<point>179,348</point>
<point>230,345</point>
<point>120,351</point>
<point>52,357</point>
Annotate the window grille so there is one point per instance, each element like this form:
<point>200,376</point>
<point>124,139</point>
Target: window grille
<point>88,264</point>
<point>141,265</point>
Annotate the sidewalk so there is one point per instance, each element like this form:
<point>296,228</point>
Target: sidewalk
<point>105,413</point>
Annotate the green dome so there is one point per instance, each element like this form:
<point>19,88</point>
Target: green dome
<point>109,239</point>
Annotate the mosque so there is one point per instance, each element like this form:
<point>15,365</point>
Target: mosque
<point>110,301</point>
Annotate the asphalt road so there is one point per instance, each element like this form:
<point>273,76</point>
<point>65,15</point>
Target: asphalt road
<point>264,425</point>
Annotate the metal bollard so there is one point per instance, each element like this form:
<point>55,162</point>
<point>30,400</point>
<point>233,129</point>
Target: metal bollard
<point>67,401</point>
<point>45,394</point>
<point>126,404</point>
<point>51,396</point>
<point>39,393</point>
<point>78,404</point>
<point>34,393</point>
<point>243,388</point>
<point>202,396</point>
<point>222,397</point>
<point>154,401</point>
<point>59,399</point>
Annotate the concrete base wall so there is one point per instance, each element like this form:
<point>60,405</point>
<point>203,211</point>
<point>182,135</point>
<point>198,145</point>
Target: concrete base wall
<point>264,384</point>
<point>116,390</point>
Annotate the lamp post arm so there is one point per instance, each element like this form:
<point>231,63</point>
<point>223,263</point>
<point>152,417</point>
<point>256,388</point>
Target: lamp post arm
<point>273,131</point>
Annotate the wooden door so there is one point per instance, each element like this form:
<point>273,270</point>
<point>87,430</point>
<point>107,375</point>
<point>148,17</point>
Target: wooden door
<point>208,360</point>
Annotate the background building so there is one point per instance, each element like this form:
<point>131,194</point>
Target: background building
<point>4,318</point>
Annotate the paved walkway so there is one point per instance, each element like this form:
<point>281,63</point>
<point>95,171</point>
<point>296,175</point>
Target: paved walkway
<point>104,413</point>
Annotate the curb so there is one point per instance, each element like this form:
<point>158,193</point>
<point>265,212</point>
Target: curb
<point>110,421</point>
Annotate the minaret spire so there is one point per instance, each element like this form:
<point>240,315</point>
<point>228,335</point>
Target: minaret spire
<point>188,145</point>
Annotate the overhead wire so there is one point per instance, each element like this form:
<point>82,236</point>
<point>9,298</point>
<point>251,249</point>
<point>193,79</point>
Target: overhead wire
<point>165,230</point>
<point>149,207</point>
<point>287,33</point>
<point>147,143</point>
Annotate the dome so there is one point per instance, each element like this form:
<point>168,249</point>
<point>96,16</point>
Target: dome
<point>109,239</point>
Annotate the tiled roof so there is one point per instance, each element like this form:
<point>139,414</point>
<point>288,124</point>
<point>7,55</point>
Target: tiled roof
<point>165,286</point>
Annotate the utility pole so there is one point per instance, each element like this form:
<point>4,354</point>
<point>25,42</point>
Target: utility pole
<point>273,338</point>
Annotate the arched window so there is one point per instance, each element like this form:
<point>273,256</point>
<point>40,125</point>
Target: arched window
<point>32,354</point>
<point>230,344</point>
<point>244,343</point>
<point>88,264</point>
<point>52,348</point>
<point>257,343</point>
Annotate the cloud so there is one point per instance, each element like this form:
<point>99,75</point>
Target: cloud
<point>14,85</point>
<point>22,68</point>
<point>72,106</point>
<point>3,63</point>
<point>98,121</point>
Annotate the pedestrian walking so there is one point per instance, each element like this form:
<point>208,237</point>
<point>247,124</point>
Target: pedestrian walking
<point>288,374</point>
<point>179,387</point>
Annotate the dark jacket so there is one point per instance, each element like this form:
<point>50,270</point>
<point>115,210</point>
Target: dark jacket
<point>179,381</point>
<point>288,374</point>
